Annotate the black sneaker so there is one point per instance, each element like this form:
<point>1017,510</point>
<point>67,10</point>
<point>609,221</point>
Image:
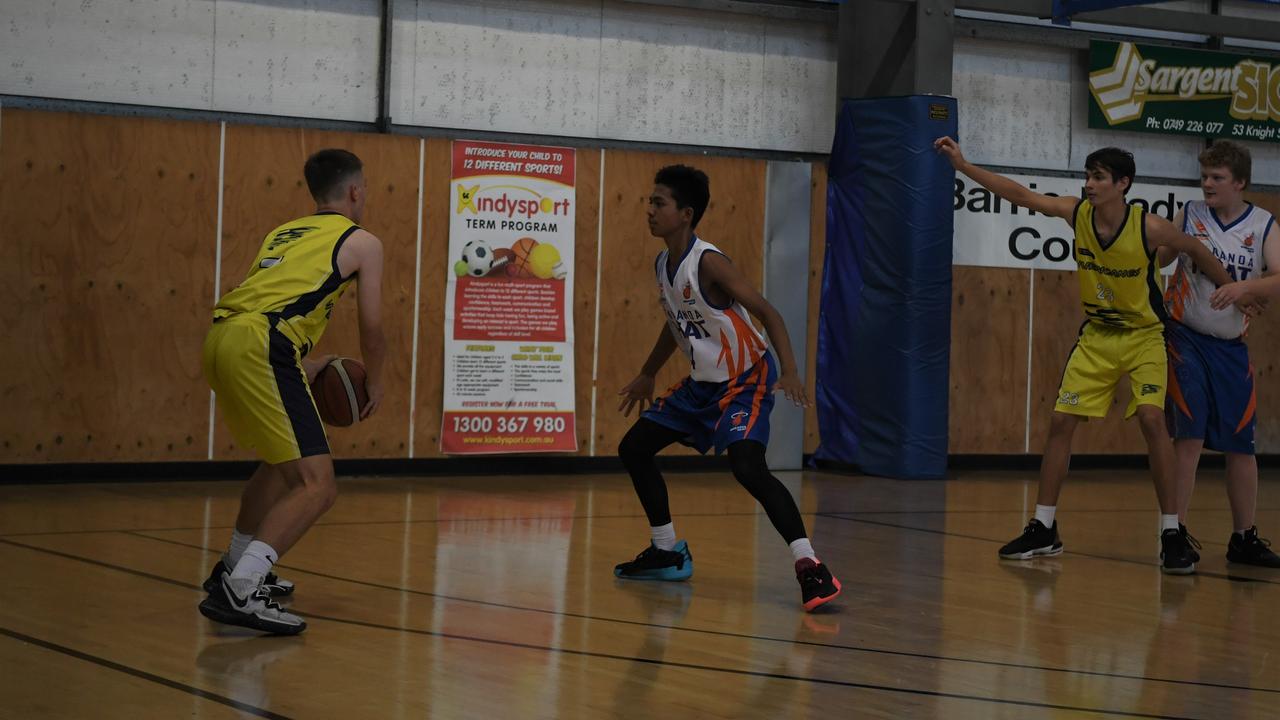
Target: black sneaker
<point>1191,541</point>
<point>1036,539</point>
<point>1249,549</point>
<point>817,585</point>
<point>655,564</point>
<point>274,585</point>
<point>1176,553</point>
<point>245,602</point>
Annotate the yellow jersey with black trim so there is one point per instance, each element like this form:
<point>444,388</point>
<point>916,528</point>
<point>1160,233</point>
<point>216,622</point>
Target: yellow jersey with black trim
<point>1120,281</point>
<point>295,279</point>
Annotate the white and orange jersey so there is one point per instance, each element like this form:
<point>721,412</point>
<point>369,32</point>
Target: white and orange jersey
<point>1238,246</point>
<point>720,342</point>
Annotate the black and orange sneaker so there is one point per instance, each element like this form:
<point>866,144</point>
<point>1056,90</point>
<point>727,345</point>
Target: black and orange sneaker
<point>817,585</point>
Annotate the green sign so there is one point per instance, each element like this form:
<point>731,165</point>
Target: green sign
<point>1149,88</point>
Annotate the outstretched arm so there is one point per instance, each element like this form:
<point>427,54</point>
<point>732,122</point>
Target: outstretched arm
<point>1063,207</point>
<point>1161,234</point>
<point>1166,254</point>
<point>717,269</point>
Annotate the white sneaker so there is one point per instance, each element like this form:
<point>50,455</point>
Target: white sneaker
<point>247,603</point>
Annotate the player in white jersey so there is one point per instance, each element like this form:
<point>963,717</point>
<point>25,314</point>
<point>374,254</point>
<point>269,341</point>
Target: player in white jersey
<point>725,402</point>
<point>1211,398</point>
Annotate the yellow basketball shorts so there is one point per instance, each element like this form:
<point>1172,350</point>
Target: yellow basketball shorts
<point>256,373</point>
<point>1101,356</point>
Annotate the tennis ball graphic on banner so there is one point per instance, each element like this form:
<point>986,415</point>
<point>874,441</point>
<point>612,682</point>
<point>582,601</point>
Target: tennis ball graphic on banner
<point>544,262</point>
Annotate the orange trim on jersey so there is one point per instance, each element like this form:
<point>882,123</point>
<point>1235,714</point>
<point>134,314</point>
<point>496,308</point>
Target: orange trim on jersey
<point>1177,294</point>
<point>749,345</point>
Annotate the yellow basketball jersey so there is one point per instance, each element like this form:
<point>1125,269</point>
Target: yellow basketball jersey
<point>294,280</point>
<point>1120,282</point>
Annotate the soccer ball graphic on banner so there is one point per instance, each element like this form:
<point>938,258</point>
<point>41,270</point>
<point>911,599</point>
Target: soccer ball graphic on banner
<point>478,257</point>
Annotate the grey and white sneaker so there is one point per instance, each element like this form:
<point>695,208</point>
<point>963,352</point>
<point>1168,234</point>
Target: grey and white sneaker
<point>247,603</point>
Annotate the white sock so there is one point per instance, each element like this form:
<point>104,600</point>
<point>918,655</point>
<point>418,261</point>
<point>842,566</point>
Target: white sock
<point>801,549</point>
<point>1242,532</point>
<point>664,536</point>
<point>1169,522</point>
<point>239,541</point>
<point>256,560</point>
<point>1045,514</point>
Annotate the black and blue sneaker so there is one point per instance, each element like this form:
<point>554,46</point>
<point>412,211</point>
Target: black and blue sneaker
<point>655,564</point>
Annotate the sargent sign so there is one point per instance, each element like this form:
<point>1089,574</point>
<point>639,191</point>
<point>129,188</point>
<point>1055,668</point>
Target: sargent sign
<point>1149,88</point>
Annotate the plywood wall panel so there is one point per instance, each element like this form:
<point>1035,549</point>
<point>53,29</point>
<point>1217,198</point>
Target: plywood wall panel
<point>630,318</point>
<point>436,266</point>
<point>988,360</point>
<point>1058,317</point>
<point>1264,352</point>
<point>106,273</point>
<point>264,187</point>
<point>817,257</point>
<point>586,255</point>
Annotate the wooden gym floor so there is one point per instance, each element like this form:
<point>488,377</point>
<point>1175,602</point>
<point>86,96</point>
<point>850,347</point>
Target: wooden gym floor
<point>493,597</point>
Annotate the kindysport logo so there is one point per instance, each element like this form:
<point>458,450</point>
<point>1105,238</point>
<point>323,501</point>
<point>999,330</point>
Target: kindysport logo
<point>521,202</point>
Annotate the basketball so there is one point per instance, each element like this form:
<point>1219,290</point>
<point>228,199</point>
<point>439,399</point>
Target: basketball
<point>339,392</point>
<point>519,264</point>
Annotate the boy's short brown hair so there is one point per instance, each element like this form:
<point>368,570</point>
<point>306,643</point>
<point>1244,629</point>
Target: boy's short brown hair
<point>1230,155</point>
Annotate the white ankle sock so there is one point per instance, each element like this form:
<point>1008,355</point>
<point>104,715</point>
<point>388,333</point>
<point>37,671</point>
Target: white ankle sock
<point>801,549</point>
<point>239,541</point>
<point>256,560</point>
<point>664,536</point>
<point>1168,522</point>
<point>1045,514</point>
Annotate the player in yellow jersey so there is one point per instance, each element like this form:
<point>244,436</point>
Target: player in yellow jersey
<point>255,361</point>
<point>1122,293</point>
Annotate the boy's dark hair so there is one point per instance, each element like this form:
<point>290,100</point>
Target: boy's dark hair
<point>327,170</point>
<point>689,186</point>
<point>1117,162</point>
<point>1230,155</point>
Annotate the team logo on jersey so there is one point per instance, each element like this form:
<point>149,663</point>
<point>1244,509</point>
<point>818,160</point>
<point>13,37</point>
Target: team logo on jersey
<point>1148,389</point>
<point>284,237</point>
<point>738,419</point>
<point>687,292</point>
<point>1201,229</point>
<point>270,262</point>
<point>1248,241</point>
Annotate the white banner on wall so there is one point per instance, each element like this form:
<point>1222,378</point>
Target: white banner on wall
<point>990,232</point>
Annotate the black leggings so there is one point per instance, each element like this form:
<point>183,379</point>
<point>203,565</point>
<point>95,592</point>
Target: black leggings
<point>647,438</point>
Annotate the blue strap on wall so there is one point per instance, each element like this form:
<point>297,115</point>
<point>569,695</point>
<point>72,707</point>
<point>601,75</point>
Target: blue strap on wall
<point>884,328</point>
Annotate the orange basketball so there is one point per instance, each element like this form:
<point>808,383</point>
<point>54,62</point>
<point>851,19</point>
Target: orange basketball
<point>339,392</point>
<point>519,264</point>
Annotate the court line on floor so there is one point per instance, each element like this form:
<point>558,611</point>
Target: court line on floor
<point>1112,558</point>
<point>143,674</point>
<point>632,516</point>
<point>591,654</point>
<point>723,633</point>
